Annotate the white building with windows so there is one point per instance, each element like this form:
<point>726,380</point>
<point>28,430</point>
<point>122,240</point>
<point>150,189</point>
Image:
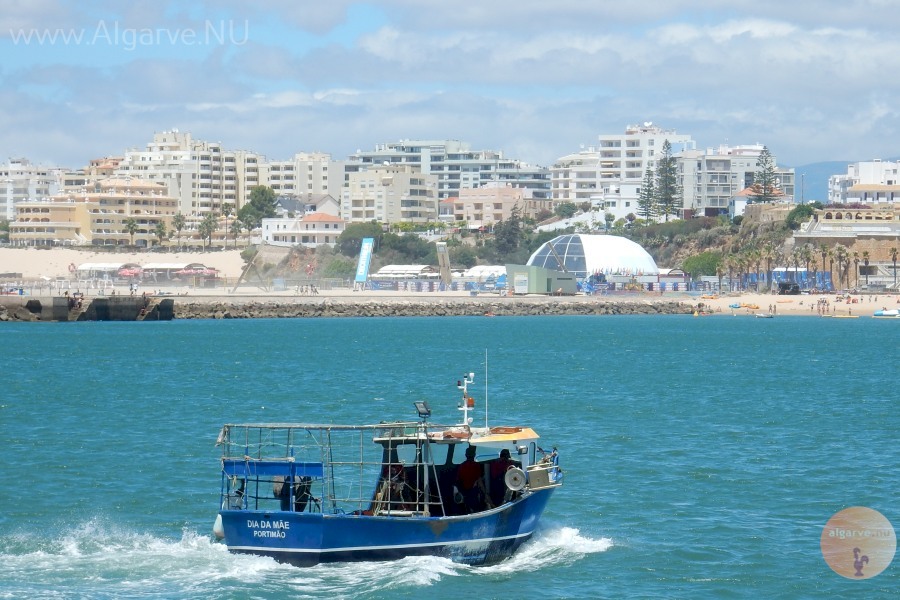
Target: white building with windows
<point>455,165</point>
<point>21,181</point>
<point>390,194</point>
<point>303,174</point>
<point>313,229</point>
<point>871,182</point>
<point>711,179</point>
<point>609,175</point>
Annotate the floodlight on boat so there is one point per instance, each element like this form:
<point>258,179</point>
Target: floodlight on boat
<point>422,408</point>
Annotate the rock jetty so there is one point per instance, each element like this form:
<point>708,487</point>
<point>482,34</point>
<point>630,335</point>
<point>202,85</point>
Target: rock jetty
<point>400,308</point>
<point>224,307</point>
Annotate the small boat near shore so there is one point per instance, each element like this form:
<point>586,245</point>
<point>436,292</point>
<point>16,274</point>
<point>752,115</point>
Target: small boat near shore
<point>887,313</point>
<point>765,316</point>
<point>306,494</point>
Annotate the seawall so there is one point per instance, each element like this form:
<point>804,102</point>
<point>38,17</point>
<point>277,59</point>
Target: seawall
<point>402,308</point>
<point>76,308</point>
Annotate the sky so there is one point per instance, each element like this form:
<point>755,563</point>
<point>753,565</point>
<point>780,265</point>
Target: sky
<point>812,80</point>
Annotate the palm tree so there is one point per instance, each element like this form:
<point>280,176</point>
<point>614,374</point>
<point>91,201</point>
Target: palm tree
<point>855,268</point>
<point>865,256</point>
<point>227,211</point>
<point>754,258</point>
<point>842,256</point>
<point>893,253</point>
<point>160,231</point>
<point>178,222</point>
<point>236,229</point>
<point>807,253</point>
<point>796,259</point>
<point>823,250</point>
<point>768,253</point>
<point>831,252</point>
<point>743,267</point>
<point>207,227</point>
<point>810,250</point>
<point>131,227</point>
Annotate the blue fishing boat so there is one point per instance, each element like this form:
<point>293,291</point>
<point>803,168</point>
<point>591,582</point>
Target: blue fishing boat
<point>309,493</point>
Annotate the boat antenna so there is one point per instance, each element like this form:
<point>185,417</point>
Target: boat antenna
<point>467,401</point>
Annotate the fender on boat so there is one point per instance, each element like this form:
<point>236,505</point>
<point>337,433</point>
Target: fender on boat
<point>218,528</point>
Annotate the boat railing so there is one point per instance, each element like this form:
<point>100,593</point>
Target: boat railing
<point>328,469</point>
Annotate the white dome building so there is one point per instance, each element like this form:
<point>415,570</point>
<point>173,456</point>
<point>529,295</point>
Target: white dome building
<point>585,255</point>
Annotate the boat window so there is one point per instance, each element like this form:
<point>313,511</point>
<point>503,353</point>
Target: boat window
<point>438,453</point>
<point>407,453</point>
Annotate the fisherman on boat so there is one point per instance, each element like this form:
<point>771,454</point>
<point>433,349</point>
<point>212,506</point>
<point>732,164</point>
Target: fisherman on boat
<point>499,467</point>
<point>470,482</point>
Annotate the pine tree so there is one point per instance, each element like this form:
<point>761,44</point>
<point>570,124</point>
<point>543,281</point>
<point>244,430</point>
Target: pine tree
<point>646,201</point>
<point>765,180</point>
<point>668,191</point>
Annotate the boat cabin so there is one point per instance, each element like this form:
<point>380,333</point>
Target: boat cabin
<point>395,469</point>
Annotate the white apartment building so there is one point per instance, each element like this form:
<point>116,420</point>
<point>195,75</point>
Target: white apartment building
<point>202,175</point>
<point>455,165</point>
<point>303,174</point>
<point>391,193</point>
<point>609,175</point>
<point>21,181</point>
<point>711,178</point>
<point>95,216</point>
<point>871,182</point>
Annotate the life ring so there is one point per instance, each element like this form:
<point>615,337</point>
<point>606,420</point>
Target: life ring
<point>71,267</point>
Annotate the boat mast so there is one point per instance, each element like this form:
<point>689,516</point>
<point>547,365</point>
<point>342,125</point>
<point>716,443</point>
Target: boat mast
<point>485,391</point>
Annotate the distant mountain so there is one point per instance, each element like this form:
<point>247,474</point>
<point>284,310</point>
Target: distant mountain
<point>811,181</point>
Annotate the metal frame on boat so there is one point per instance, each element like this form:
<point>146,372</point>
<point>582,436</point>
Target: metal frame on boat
<point>310,493</point>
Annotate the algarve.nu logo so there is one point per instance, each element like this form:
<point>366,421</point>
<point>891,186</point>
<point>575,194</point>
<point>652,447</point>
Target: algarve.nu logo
<point>858,543</point>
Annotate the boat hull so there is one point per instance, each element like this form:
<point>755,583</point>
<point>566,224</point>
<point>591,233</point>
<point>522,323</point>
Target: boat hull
<point>306,539</point>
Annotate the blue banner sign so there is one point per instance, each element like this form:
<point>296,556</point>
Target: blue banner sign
<point>365,257</point>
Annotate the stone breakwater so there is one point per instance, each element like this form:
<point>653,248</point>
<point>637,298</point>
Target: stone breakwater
<point>444,308</point>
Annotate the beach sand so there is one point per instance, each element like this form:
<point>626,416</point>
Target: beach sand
<point>37,264</point>
<point>34,263</point>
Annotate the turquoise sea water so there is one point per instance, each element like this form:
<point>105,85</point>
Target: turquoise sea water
<point>703,456</point>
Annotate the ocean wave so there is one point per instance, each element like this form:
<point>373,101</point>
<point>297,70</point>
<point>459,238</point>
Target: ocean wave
<point>111,559</point>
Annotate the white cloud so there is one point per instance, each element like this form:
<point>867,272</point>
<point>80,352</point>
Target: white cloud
<point>531,78</point>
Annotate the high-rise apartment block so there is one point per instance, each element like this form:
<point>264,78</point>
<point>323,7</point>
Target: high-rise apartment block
<point>609,175</point>
<point>455,165</point>
<point>202,175</point>
<point>304,174</point>
<point>21,181</point>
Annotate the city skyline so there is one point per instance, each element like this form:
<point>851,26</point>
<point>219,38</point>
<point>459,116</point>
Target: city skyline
<point>532,80</point>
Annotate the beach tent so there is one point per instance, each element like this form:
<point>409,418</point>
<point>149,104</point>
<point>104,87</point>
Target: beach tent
<point>102,270</point>
<point>168,271</point>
